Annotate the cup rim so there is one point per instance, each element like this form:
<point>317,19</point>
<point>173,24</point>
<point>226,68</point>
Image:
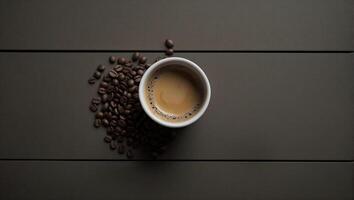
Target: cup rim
<point>144,103</point>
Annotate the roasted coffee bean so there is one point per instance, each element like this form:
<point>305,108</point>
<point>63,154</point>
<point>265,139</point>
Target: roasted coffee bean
<point>112,59</point>
<point>127,112</point>
<point>101,68</point>
<point>142,60</point>
<point>118,68</point>
<point>107,138</point>
<point>120,109</point>
<point>133,89</point>
<point>104,84</point>
<point>128,64</point>
<point>137,80</point>
<point>130,154</point>
<point>113,145</point>
<point>113,123</point>
<point>96,100</point>
<point>136,95</point>
<point>122,123</point>
<point>99,115</point>
<point>122,117</point>
<point>97,123</point>
<point>133,73</point>
<point>123,133</point>
<point>123,100</point>
<point>129,106</point>
<point>105,122</point>
<point>121,77</point>
<point>93,107</point>
<point>131,82</point>
<point>115,82</point>
<point>140,72</point>
<point>101,91</point>
<point>169,52</point>
<point>113,74</point>
<point>104,107</point>
<point>107,78</point>
<point>135,56</point>
<point>129,95</point>
<point>169,44</point>
<point>121,149</point>
<point>104,98</point>
<point>113,104</point>
<point>121,60</point>
<point>109,131</point>
<point>91,80</point>
<point>97,75</point>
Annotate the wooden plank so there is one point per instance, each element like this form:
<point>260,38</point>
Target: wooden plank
<point>194,25</point>
<point>263,106</point>
<point>174,180</point>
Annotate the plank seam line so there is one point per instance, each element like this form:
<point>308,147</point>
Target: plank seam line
<point>176,51</point>
<point>175,160</point>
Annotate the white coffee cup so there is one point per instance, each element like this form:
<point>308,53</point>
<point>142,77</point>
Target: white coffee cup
<point>166,63</point>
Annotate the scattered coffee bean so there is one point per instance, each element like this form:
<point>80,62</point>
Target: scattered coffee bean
<point>105,122</point>
<point>113,145</point>
<point>112,59</point>
<point>121,76</point>
<point>101,68</point>
<point>99,115</point>
<point>142,60</point>
<point>169,52</point>
<point>121,60</point>
<point>135,56</point>
<point>169,44</point>
<point>96,100</point>
<point>107,138</point>
<point>104,84</point>
<point>101,91</point>
<point>97,75</point>
<point>92,80</point>
<point>93,107</point>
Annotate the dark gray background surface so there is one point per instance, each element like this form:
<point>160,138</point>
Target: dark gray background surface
<point>280,123</point>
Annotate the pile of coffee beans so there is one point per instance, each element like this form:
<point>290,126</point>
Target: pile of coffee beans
<point>117,107</point>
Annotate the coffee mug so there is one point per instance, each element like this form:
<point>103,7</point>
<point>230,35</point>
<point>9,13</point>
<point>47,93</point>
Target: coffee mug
<point>175,84</point>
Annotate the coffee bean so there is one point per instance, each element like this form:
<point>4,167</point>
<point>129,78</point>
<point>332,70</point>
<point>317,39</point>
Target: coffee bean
<point>121,149</point>
<point>99,115</point>
<point>120,139</point>
<point>104,84</point>
<point>169,44</point>
<point>135,56</point>
<point>93,107</point>
<point>169,52</point>
<point>136,95</point>
<point>130,154</point>
<point>91,80</point>
<point>115,82</point>
<point>113,104</point>
<point>96,100</point>
<point>97,75</point>
<point>112,59</point>
<point>105,122</point>
<point>142,60</point>
<point>107,78</point>
<point>129,95</point>
<point>121,77</point>
<point>97,123</point>
<point>104,98</point>
<point>113,145</point>
<point>118,68</point>
<point>101,68</point>
<point>122,123</point>
<point>128,64</point>
<point>101,91</point>
<point>140,72</point>
<point>113,123</point>
<point>133,89</point>
<point>137,80</point>
<point>131,82</point>
<point>121,60</point>
<point>107,138</point>
<point>113,74</point>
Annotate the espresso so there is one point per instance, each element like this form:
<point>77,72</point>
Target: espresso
<point>174,93</point>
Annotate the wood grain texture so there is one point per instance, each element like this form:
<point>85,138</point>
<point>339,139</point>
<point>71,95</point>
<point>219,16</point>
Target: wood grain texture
<point>195,25</point>
<point>263,106</point>
<point>175,180</point>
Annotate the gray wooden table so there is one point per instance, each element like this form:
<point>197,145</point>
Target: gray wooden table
<point>279,126</point>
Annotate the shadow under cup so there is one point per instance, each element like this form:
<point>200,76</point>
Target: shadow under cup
<point>189,68</point>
